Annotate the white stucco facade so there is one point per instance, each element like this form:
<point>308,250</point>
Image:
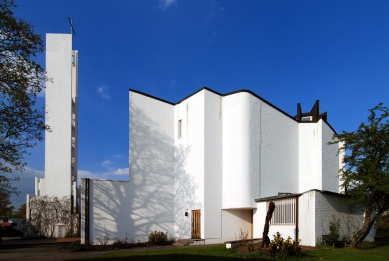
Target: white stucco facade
<point>61,142</point>
<point>217,157</point>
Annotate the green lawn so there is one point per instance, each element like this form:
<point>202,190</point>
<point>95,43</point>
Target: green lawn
<point>368,251</point>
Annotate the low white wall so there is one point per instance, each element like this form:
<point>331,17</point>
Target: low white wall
<point>306,220</point>
<point>285,231</point>
<point>110,211</point>
<point>235,221</point>
<point>259,219</point>
<point>119,211</point>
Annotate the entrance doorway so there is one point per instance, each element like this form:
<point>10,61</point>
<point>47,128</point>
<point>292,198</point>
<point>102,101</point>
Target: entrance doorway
<point>196,224</point>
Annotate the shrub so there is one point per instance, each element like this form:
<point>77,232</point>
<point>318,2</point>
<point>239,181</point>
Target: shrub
<point>334,226</point>
<point>158,238</point>
<point>279,247</point>
<point>254,254</point>
<point>70,233</point>
<point>124,243</point>
<point>243,238</point>
<point>80,247</point>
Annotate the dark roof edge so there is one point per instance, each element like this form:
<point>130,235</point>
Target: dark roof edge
<point>297,195</point>
<point>217,93</point>
<point>150,96</point>
<point>329,125</point>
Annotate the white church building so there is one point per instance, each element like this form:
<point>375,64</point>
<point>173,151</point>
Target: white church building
<point>207,166</point>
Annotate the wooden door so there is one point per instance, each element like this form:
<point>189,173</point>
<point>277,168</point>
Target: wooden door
<point>196,224</point>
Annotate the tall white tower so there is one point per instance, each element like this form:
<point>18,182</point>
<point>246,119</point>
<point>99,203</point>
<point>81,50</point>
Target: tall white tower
<point>61,115</point>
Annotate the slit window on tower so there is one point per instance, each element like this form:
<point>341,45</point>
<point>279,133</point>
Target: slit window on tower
<point>179,129</point>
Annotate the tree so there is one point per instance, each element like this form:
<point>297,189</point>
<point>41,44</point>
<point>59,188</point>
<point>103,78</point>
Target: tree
<point>365,175</point>
<point>47,212</point>
<point>5,208</point>
<point>21,212</point>
<point>21,79</point>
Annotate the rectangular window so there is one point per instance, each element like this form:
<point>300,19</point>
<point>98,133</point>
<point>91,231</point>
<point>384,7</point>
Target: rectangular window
<point>285,212</point>
<point>179,129</point>
<point>307,118</point>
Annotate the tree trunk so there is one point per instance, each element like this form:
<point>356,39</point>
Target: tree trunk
<point>265,238</point>
<point>364,231</point>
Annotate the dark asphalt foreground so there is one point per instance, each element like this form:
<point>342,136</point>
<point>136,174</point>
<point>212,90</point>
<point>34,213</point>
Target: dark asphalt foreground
<point>47,249</point>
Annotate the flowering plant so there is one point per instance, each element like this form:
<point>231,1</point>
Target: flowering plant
<point>280,247</point>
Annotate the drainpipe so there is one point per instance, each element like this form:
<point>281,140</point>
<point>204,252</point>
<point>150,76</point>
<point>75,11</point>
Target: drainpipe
<point>297,218</point>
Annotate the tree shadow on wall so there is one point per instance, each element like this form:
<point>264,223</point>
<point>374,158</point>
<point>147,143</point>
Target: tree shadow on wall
<point>145,203</point>
<point>184,193</point>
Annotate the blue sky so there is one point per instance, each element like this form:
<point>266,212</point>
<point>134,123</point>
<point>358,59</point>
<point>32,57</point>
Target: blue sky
<point>284,51</point>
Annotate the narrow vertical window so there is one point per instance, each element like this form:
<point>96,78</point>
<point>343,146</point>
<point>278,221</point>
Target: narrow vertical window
<point>179,129</point>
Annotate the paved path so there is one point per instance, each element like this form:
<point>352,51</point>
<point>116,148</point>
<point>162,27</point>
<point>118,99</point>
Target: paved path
<point>47,249</point>
<point>15,242</point>
<point>44,252</point>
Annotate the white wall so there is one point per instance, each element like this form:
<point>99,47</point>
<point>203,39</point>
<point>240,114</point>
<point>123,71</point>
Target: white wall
<point>260,146</point>
<point>189,163</point>
<point>279,150</point>
<point>212,165</point>
<point>111,211</point>
<point>309,156</point>
<point>239,190</point>
<point>330,160</point>
<point>146,202</point>
<point>260,151</point>
<point>318,162</point>
<point>151,188</point>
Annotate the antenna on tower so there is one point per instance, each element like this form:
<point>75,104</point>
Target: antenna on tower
<point>71,26</point>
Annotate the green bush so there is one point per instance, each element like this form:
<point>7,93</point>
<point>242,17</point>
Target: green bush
<point>158,238</point>
<point>279,247</point>
<point>70,233</point>
<point>334,226</point>
<point>79,247</point>
<point>254,254</point>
